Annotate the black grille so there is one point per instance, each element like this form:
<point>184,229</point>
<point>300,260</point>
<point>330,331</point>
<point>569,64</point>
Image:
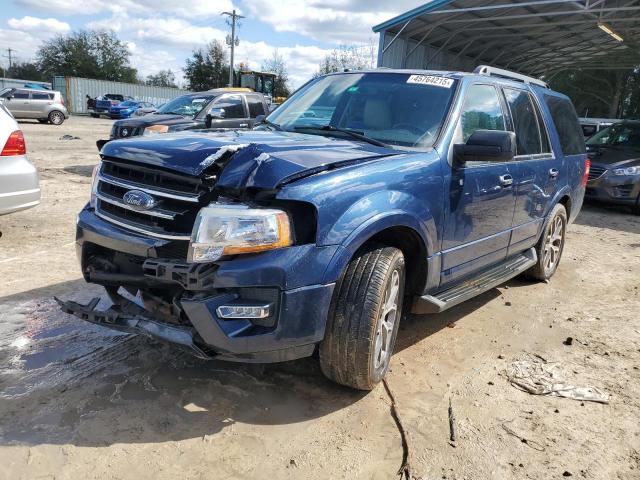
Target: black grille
<point>596,171</point>
<point>177,199</point>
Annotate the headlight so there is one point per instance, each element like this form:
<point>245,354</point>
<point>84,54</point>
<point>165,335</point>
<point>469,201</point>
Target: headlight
<point>627,171</point>
<point>94,186</point>
<point>234,229</point>
<point>154,129</point>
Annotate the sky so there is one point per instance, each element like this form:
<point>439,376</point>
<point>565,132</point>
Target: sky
<point>161,34</point>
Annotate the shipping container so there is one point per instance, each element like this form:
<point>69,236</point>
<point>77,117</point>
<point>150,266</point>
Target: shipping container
<point>75,91</point>
<point>17,83</point>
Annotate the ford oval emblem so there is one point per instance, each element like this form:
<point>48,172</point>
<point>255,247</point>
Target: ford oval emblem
<point>139,200</point>
<point>125,132</point>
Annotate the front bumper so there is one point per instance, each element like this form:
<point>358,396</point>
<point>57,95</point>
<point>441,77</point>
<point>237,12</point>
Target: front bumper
<point>614,189</point>
<point>19,187</point>
<point>289,279</point>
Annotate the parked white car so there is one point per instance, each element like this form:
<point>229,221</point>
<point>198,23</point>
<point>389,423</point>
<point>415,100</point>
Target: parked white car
<point>19,187</point>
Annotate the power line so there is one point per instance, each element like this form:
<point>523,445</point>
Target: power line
<point>233,41</point>
<point>10,56</point>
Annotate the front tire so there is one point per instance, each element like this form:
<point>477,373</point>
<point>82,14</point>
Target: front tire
<point>56,117</point>
<point>364,318</point>
<point>550,246</point>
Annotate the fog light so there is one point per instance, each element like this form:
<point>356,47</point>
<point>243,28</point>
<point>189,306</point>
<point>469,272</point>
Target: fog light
<point>243,311</point>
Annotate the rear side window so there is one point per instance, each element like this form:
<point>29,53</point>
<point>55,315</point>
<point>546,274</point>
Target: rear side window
<point>42,96</point>
<point>567,125</point>
<point>530,132</point>
<point>481,111</point>
<point>255,106</point>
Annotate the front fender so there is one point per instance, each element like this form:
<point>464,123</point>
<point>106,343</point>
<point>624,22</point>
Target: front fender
<point>371,215</point>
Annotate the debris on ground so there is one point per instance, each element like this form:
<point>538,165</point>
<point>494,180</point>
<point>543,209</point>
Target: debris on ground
<point>568,342</point>
<point>452,424</point>
<point>535,375</point>
<point>405,468</point>
<point>69,137</point>
<point>528,442</point>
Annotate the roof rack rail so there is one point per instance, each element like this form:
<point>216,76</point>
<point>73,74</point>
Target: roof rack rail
<point>499,72</point>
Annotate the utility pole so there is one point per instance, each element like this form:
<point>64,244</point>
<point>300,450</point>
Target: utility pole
<point>10,57</point>
<point>233,41</point>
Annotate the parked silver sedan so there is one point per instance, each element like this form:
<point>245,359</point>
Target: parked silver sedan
<point>19,187</point>
<point>46,106</point>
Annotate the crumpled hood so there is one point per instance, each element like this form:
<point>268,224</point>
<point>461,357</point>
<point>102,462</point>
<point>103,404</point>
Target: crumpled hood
<point>258,158</point>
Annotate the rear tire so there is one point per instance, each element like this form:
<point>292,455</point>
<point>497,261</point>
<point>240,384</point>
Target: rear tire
<point>56,117</point>
<point>363,319</point>
<point>550,246</point>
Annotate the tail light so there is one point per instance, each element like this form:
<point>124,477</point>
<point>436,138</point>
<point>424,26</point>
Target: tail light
<point>585,176</point>
<point>15,145</point>
<point>62,100</point>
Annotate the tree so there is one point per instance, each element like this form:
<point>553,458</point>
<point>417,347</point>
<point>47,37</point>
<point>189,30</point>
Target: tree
<point>87,53</point>
<point>26,71</point>
<point>351,57</point>
<point>601,93</point>
<point>207,68</point>
<point>164,78</point>
<point>276,64</point>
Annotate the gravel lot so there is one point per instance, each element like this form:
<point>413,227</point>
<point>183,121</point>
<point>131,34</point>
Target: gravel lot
<point>78,401</point>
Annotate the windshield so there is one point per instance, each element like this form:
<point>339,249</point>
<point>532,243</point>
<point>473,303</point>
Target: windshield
<point>394,108</point>
<point>186,105</point>
<point>129,103</point>
<point>621,134</point>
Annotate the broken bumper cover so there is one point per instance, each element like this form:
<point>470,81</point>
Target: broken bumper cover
<point>291,280</point>
<point>134,322</point>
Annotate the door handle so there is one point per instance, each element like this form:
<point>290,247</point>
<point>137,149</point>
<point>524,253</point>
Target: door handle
<point>506,180</point>
<point>554,172</point>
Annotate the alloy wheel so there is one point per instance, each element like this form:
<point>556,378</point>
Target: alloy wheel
<point>388,317</point>
<point>554,244</point>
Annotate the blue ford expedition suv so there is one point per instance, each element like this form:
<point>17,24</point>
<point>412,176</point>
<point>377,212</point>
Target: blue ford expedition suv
<point>364,193</point>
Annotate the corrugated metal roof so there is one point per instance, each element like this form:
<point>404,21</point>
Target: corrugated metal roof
<point>534,37</point>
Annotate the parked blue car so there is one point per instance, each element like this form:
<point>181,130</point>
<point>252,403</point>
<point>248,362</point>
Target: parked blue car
<point>128,108</point>
<point>365,192</point>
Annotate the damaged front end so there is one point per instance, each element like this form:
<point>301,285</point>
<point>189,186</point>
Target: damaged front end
<point>200,257</point>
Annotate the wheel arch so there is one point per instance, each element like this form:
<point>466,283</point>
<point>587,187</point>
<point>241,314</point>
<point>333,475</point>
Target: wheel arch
<point>395,229</point>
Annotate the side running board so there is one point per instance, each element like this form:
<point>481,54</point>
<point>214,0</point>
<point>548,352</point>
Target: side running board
<point>486,280</point>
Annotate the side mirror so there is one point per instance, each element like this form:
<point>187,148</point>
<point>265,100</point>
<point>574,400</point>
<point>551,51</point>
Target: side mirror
<point>214,114</point>
<point>486,146</point>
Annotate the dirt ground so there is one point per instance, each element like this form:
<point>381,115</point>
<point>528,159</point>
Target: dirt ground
<point>81,402</point>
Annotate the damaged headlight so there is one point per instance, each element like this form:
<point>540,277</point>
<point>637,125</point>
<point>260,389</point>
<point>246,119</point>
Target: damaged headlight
<point>222,229</point>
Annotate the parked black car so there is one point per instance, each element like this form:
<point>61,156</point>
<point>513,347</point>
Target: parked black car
<point>615,165</point>
<point>220,108</point>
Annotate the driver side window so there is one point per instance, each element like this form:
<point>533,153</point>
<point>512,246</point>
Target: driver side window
<point>481,111</point>
<point>232,105</point>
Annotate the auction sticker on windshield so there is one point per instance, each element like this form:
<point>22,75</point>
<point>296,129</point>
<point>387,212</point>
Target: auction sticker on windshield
<point>431,80</point>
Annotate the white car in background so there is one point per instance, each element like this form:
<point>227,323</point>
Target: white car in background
<point>19,187</point>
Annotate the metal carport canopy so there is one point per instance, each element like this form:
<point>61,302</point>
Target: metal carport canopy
<point>532,37</point>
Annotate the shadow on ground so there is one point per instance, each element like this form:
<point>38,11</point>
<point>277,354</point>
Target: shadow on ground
<point>611,217</point>
<point>67,381</point>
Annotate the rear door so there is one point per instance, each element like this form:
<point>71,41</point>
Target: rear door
<point>40,104</point>
<point>481,199</point>
<point>536,169</point>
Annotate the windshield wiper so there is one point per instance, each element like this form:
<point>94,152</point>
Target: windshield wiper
<point>351,133</point>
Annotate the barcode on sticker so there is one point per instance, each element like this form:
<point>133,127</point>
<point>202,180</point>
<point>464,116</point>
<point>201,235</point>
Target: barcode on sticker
<point>431,80</point>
